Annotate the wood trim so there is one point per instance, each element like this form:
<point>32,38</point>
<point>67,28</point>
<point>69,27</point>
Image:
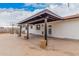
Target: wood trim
<point>57,38</point>
<point>36,20</point>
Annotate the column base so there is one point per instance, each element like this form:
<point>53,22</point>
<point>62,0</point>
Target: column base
<point>43,44</point>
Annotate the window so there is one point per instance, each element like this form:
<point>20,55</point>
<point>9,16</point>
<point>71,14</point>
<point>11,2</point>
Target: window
<point>50,26</point>
<point>37,27</point>
<point>50,29</point>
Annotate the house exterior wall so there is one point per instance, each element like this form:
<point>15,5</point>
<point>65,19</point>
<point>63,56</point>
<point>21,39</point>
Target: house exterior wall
<point>60,29</point>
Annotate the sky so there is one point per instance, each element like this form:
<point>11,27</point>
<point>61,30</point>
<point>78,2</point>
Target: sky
<point>26,6</point>
<point>12,13</point>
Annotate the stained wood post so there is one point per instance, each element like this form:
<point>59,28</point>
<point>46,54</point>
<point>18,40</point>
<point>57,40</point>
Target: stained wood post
<point>20,30</point>
<point>45,30</point>
<point>27,31</point>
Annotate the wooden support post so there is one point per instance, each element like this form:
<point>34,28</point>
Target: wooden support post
<point>27,31</point>
<point>46,30</point>
<point>20,30</point>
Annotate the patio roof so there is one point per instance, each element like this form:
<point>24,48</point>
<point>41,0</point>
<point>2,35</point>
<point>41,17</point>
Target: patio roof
<point>39,17</point>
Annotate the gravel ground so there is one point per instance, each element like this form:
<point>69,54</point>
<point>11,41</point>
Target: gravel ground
<point>11,45</point>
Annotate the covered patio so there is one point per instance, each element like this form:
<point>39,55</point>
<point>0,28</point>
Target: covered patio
<point>44,16</point>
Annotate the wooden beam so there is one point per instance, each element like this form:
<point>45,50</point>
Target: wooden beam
<point>27,31</point>
<point>45,30</point>
<point>36,20</point>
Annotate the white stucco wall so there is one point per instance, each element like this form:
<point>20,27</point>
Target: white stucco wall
<point>61,29</point>
<point>66,29</point>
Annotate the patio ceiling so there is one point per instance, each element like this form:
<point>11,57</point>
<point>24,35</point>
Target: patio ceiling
<point>39,17</point>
